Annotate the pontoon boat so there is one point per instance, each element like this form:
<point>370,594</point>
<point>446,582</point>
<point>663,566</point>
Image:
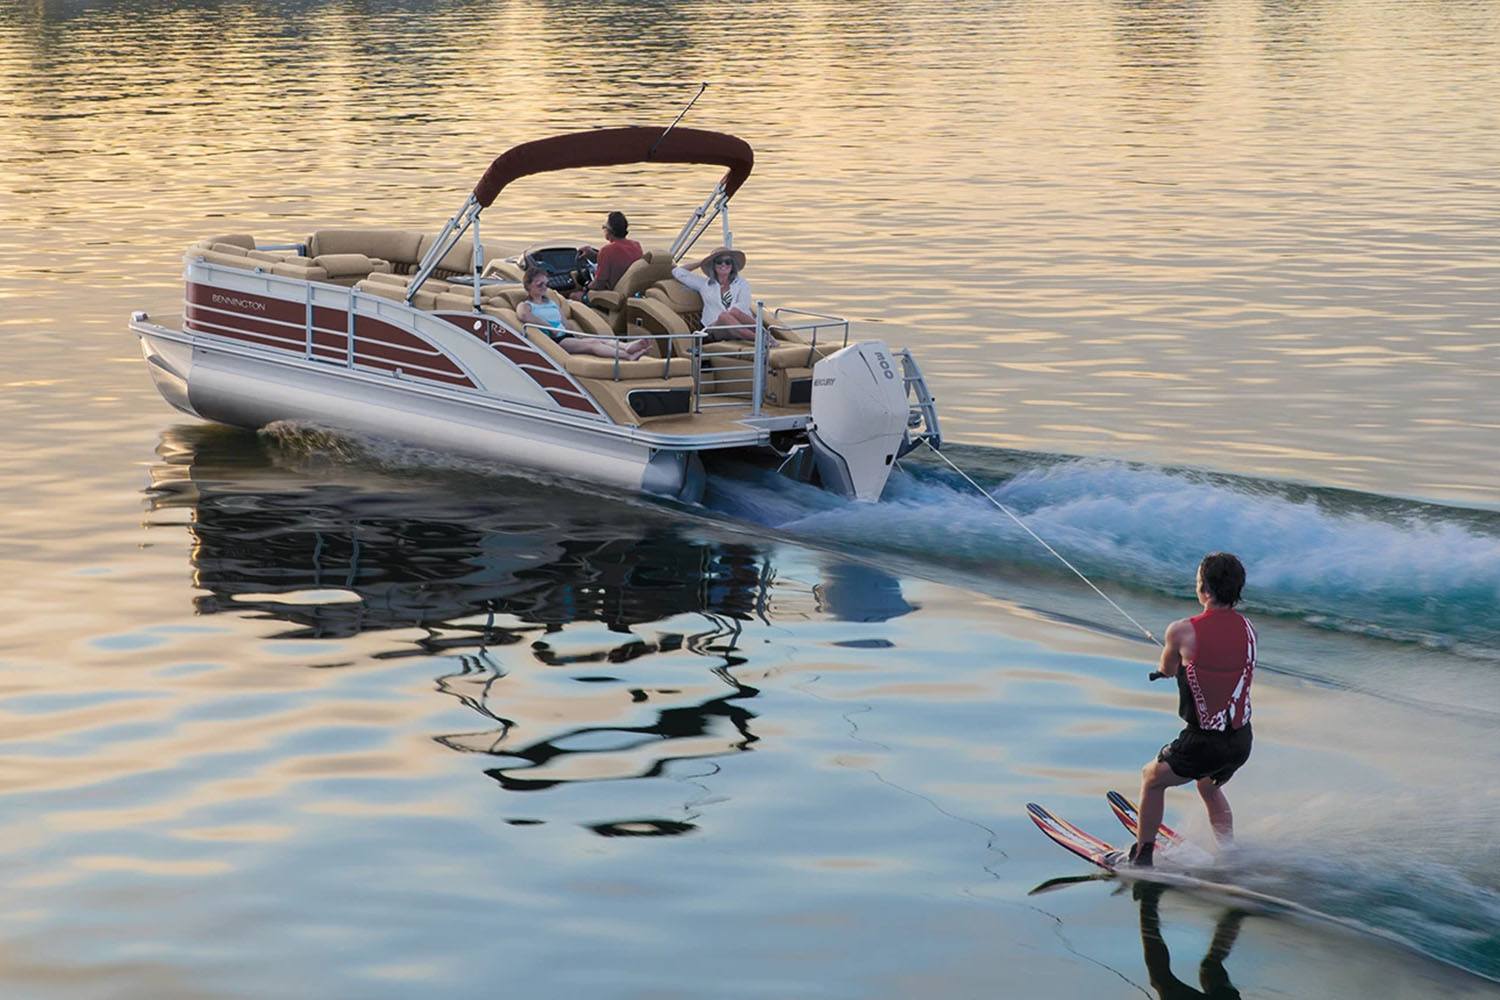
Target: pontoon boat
<point>415,337</point>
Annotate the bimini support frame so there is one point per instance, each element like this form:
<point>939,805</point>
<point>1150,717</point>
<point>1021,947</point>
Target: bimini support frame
<point>605,147</point>
<point>467,216</point>
<point>716,204</point>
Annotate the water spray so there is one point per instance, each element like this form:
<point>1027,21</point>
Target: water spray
<point>1006,510</point>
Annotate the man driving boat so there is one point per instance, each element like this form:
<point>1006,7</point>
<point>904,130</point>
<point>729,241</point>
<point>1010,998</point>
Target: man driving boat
<point>611,260</point>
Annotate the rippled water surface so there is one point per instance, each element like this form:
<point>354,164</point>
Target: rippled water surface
<point>291,714</point>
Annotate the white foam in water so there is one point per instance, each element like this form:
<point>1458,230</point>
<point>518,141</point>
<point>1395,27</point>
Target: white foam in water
<point>1423,576</point>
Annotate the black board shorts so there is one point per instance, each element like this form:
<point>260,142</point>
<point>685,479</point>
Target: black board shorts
<point>1206,753</point>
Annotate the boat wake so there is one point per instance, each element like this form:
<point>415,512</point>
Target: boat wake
<point>1356,563</point>
<point>1367,565</point>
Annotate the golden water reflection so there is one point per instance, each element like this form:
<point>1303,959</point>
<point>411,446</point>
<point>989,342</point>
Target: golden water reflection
<point>1204,182</point>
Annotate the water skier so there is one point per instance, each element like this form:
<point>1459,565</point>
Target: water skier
<point>1212,655</point>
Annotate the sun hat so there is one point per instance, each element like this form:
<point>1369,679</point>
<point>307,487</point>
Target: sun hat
<point>706,265</point>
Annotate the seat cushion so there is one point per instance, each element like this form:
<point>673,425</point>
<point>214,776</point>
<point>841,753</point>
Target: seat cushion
<point>653,266</point>
<point>459,260</point>
<point>680,297</point>
<point>399,246</point>
<point>342,265</point>
<point>452,302</point>
<point>592,366</point>
<point>234,239</point>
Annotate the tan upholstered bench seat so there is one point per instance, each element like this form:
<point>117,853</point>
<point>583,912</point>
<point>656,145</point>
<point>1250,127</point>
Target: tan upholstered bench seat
<point>287,267</point>
<point>591,365</point>
<point>399,246</point>
<point>346,265</point>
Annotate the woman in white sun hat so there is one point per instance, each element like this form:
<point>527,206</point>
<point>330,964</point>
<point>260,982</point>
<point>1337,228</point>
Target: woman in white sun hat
<point>726,295</point>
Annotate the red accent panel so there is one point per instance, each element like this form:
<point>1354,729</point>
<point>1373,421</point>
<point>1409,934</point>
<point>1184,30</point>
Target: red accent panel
<point>519,351</point>
<point>247,304</point>
<point>244,316</point>
<point>574,402</point>
<point>400,348</point>
<point>258,339</point>
<point>521,355</point>
<point>204,321</point>
<point>551,380</point>
<point>330,319</point>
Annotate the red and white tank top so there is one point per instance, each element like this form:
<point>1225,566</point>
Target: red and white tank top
<point>1214,686</point>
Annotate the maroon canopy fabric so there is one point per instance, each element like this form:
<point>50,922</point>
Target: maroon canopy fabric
<point>608,147</point>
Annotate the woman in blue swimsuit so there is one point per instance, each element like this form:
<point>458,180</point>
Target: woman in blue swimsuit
<point>541,311</point>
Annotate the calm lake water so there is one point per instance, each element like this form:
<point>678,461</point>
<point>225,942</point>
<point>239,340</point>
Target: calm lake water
<point>295,714</point>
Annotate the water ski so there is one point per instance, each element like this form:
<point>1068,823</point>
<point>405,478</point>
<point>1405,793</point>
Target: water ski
<point>1129,817</point>
<point>1169,843</point>
<point>1174,855</point>
<point>1168,870</point>
<point>1175,852</point>
<point>1087,846</point>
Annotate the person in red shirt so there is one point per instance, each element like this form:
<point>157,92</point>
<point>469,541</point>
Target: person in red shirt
<point>611,260</point>
<point>1212,655</point>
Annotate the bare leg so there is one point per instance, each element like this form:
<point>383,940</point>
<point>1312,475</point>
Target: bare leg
<point>1219,814</point>
<point>745,330</point>
<point>1156,778</point>
<point>605,348</point>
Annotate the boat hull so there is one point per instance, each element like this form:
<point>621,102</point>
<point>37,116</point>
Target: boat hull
<point>243,390</point>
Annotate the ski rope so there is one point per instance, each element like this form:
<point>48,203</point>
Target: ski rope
<point>1006,510</point>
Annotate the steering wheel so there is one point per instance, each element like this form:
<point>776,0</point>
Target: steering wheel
<point>583,270</point>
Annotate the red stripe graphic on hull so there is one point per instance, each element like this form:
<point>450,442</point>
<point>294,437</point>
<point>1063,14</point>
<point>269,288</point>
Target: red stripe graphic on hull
<point>519,351</point>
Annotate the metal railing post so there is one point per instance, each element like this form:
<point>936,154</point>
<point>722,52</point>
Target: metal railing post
<point>349,331</point>
<point>697,375</point>
<point>758,381</point>
<point>478,261</point>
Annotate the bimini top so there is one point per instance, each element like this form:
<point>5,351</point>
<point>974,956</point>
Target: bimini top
<point>609,147</point>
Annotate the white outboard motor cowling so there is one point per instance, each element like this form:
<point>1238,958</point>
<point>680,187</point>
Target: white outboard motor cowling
<point>859,413</point>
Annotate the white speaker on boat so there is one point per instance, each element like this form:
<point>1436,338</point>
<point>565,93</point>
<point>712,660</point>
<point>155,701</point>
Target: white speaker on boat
<point>859,413</point>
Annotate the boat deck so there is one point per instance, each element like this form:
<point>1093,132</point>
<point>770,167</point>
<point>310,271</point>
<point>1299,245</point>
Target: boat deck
<point>726,419</point>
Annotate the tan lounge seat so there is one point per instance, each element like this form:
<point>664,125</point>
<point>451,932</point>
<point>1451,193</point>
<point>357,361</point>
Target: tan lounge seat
<point>623,392</point>
<point>350,268</point>
<point>398,246</point>
<point>459,260</point>
<point>671,307</point>
<point>231,251</point>
<point>653,266</point>
<point>591,365</point>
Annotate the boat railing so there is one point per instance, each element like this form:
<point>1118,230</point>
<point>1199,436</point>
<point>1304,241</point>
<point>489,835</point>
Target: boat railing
<point>821,321</point>
<point>738,372</point>
<point>340,345</point>
<point>666,348</point>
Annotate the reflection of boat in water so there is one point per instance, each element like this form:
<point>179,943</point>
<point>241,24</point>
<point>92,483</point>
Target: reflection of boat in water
<point>541,608</point>
<point>416,337</point>
<point>340,557</point>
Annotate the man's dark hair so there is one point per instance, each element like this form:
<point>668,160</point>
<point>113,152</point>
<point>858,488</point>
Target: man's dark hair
<point>1223,577</point>
<point>618,225</point>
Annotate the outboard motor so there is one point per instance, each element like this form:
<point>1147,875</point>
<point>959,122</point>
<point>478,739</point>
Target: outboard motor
<point>859,413</point>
